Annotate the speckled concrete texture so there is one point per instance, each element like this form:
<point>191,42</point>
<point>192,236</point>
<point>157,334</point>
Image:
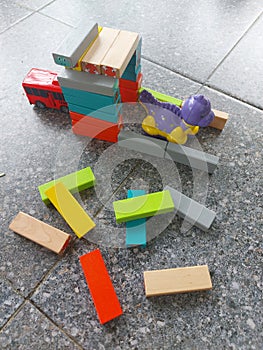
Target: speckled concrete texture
<point>189,47</point>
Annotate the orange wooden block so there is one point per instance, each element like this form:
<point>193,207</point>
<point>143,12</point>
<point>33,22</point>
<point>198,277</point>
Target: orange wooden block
<point>101,289</point>
<point>96,128</point>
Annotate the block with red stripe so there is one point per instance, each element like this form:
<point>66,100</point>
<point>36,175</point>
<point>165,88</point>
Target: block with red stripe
<point>129,84</point>
<point>101,289</point>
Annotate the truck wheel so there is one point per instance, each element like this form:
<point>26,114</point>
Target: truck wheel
<point>64,109</point>
<point>40,105</point>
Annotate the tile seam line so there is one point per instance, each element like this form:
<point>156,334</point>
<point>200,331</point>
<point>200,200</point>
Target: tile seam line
<point>31,14</point>
<point>203,84</point>
<point>2,328</point>
<point>234,46</point>
<point>54,323</point>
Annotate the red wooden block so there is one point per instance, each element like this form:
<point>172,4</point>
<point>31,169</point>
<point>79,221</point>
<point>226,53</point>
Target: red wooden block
<point>129,84</point>
<point>101,289</point>
<point>128,95</point>
<point>99,130</point>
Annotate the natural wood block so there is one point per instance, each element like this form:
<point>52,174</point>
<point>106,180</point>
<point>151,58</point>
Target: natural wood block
<point>92,60</point>
<point>178,280</point>
<point>39,232</point>
<point>70,209</point>
<point>102,291</point>
<point>119,54</point>
<point>220,120</point>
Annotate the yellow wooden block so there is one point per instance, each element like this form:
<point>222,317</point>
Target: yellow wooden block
<point>39,232</point>
<point>120,52</point>
<point>99,48</point>
<point>70,209</point>
<point>178,280</point>
<point>78,65</point>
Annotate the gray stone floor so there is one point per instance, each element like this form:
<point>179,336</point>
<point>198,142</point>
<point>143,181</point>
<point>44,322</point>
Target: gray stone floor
<point>212,47</point>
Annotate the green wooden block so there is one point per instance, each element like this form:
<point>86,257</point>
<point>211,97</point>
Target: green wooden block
<point>74,182</point>
<point>143,206</point>
<point>163,97</point>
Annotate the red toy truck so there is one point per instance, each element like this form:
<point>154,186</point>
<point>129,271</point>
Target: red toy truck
<point>43,90</point>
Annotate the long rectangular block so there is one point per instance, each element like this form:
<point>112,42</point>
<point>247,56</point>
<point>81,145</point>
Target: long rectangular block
<point>178,280</point>
<point>119,54</point>
<point>98,99</point>
<point>91,62</point>
<point>143,144</point>
<point>192,157</point>
<point>220,118</point>
<point>96,128</point>
<point>136,229</point>
<point>75,43</point>
<point>181,154</point>
<point>101,289</point>
<point>143,206</point>
<point>70,209</point>
<point>108,113</point>
<point>74,182</point>
<point>40,233</point>
<point>97,84</point>
<point>192,211</point>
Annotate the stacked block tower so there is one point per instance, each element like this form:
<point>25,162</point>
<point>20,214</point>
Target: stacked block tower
<point>102,69</point>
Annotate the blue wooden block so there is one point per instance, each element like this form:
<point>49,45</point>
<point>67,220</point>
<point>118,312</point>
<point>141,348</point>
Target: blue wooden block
<point>128,75</point>
<point>136,229</point>
<point>100,99</point>
<point>106,113</point>
<point>89,103</point>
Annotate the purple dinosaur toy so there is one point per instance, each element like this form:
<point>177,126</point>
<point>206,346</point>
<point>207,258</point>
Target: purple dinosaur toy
<point>174,123</point>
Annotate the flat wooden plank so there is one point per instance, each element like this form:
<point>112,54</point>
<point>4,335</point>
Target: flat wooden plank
<point>101,289</point>
<point>39,232</point>
<point>136,229</point>
<point>178,280</point>
<point>91,62</point>
<point>119,54</point>
<point>220,118</point>
<point>70,209</point>
<point>74,182</point>
<point>143,206</point>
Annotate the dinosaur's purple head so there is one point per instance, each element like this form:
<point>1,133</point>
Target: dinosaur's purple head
<point>196,110</point>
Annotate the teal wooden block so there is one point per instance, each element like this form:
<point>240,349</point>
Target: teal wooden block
<point>143,206</point>
<point>100,100</point>
<point>89,103</point>
<point>128,75</point>
<point>108,113</point>
<point>136,229</point>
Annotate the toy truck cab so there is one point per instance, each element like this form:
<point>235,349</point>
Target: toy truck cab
<point>43,90</point>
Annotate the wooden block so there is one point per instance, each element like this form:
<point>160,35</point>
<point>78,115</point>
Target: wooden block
<point>39,232</point>
<point>97,84</point>
<point>144,206</point>
<point>129,84</point>
<point>119,54</point>
<point>101,289</point>
<point>77,67</point>
<point>75,43</point>
<point>70,209</point>
<point>220,120</point>
<point>136,229</point>
<point>74,182</point>
<point>110,113</point>
<point>178,280</point>
<point>192,211</point>
<point>91,62</point>
<point>220,117</point>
